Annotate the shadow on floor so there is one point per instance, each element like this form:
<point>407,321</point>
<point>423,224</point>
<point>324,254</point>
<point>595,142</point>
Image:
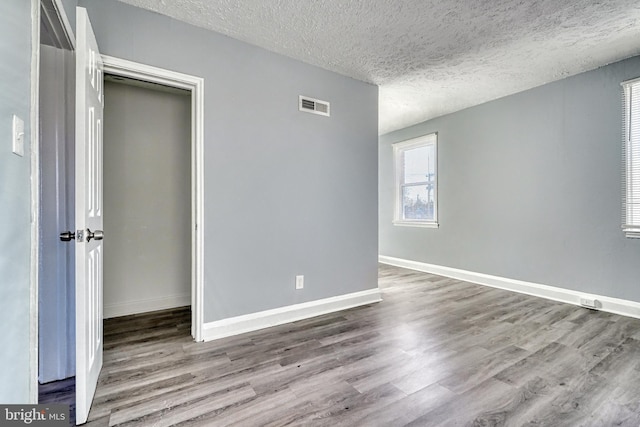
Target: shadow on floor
<point>61,392</point>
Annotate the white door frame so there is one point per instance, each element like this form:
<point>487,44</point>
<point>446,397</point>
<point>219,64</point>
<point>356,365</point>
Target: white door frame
<point>35,160</point>
<point>35,200</point>
<point>125,68</point>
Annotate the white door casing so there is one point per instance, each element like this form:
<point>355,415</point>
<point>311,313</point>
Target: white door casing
<point>147,73</point>
<point>88,199</point>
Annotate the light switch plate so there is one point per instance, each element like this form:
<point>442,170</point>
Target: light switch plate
<point>18,136</point>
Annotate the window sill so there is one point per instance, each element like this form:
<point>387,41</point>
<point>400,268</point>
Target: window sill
<point>632,234</point>
<point>416,224</point>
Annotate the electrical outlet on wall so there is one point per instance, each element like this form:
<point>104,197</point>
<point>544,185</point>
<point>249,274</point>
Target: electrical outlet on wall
<point>589,302</point>
<point>299,282</point>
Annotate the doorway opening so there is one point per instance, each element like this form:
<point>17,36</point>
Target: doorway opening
<point>145,77</point>
<point>55,207</point>
<point>147,197</point>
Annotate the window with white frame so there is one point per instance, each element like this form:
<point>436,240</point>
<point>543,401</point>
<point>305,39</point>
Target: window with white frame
<point>631,159</point>
<point>416,192</point>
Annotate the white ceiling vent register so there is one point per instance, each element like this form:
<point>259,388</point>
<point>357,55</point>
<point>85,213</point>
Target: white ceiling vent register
<point>315,106</point>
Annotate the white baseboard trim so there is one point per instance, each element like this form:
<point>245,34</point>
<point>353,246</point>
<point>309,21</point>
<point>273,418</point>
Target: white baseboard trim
<point>143,306</point>
<point>608,304</point>
<point>278,316</point>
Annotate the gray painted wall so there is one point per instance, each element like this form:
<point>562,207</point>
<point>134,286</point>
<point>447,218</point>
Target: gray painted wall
<point>529,188</point>
<point>286,192</point>
<point>147,197</point>
<point>15,190</point>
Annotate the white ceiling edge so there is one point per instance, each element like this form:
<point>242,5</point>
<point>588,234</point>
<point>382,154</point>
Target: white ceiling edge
<point>429,57</point>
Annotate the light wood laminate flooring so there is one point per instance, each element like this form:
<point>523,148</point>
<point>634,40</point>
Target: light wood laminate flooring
<point>436,351</point>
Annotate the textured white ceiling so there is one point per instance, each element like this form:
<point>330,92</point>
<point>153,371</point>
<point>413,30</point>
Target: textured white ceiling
<point>429,57</point>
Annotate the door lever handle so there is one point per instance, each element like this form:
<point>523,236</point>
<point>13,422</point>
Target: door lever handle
<point>67,236</point>
<point>98,235</point>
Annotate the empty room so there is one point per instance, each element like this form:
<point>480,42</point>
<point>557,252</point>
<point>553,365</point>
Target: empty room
<point>353,213</point>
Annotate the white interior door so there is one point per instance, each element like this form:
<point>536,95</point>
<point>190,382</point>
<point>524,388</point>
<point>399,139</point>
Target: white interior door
<point>89,253</point>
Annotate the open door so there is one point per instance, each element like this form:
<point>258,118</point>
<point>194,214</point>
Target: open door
<point>88,235</point>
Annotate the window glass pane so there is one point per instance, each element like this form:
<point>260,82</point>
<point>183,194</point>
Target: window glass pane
<point>419,164</point>
<point>631,156</point>
<point>417,202</point>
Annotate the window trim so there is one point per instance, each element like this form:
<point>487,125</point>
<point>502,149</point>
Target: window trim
<point>398,149</point>
<point>631,88</point>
